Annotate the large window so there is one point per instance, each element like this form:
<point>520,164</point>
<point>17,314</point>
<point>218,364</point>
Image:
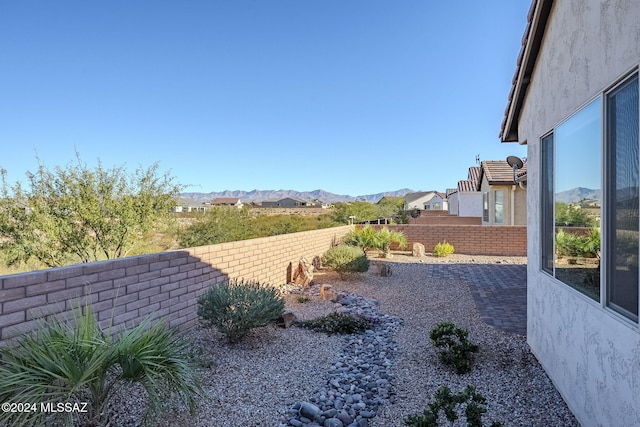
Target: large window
<point>622,198</point>
<point>499,207</point>
<point>579,201</point>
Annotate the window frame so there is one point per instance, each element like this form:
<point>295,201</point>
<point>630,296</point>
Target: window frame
<point>605,285</point>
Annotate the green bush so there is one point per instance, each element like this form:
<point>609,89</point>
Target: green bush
<point>447,402</point>
<point>575,245</point>
<point>77,361</point>
<point>456,349</point>
<point>338,323</point>
<point>381,240</point>
<point>235,307</point>
<point>346,259</point>
<point>443,249</point>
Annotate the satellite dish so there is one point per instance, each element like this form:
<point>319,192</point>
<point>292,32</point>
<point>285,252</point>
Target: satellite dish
<point>515,164</point>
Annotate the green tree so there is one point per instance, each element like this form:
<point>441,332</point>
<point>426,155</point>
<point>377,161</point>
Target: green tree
<point>363,211</point>
<point>571,215</point>
<point>393,207</point>
<point>79,214</point>
<point>218,225</point>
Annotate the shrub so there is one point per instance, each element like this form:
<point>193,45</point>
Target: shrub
<point>302,299</point>
<point>443,249</point>
<point>381,240</point>
<point>76,361</point>
<point>346,259</point>
<point>574,245</point>
<point>456,348</point>
<point>448,402</point>
<point>338,323</point>
<point>235,307</point>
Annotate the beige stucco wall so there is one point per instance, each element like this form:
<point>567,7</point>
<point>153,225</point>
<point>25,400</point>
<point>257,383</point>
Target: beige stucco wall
<point>591,354</point>
<point>518,204</point>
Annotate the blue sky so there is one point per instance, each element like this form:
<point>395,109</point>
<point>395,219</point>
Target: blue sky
<point>350,96</point>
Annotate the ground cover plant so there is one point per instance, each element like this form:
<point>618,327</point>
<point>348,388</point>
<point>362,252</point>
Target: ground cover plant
<point>338,323</point>
<point>78,361</point>
<point>443,249</point>
<point>454,347</point>
<point>345,259</point>
<point>234,307</point>
<point>448,403</point>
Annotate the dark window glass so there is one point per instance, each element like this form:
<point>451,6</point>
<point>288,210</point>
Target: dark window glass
<point>547,226</point>
<point>622,199</point>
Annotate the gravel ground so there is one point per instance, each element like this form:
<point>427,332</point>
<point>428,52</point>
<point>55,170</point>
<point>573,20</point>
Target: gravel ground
<point>255,382</point>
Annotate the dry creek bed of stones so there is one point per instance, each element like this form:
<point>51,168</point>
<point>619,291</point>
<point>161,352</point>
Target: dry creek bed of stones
<point>281,377</point>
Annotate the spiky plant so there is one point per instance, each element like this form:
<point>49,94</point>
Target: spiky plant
<point>235,307</point>
<point>78,361</point>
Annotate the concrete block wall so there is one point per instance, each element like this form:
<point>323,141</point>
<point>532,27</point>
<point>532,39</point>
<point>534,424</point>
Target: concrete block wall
<point>165,284</point>
<point>468,239</point>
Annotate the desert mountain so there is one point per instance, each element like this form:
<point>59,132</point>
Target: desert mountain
<point>262,195</point>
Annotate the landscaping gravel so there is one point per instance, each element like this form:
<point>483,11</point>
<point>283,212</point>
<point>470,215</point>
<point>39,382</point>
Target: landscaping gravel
<point>294,377</point>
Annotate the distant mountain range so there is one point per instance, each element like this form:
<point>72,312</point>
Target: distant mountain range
<point>262,195</point>
<point>579,193</point>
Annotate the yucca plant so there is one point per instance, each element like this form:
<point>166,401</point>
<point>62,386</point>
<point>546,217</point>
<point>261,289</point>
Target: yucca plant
<point>78,361</point>
<point>234,307</point>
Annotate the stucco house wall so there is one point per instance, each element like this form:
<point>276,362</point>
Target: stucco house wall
<point>470,204</point>
<point>591,354</point>
<point>515,202</point>
<point>452,206</point>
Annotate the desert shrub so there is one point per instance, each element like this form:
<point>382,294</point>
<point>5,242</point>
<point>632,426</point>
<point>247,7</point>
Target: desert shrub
<point>381,240</point>
<point>77,361</point>
<point>455,348</point>
<point>303,299</point>
<point>574,245</point>
<point>346,259</point>
<point>338,323</point>
<point>361,237</point>
<point>447,402</point>
<point>443,249</point>
<point>235,307</point>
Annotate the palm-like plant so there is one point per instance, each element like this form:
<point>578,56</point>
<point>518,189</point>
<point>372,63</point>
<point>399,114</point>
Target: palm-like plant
<point>381,240</point>
<point>78,362</point>
<point>386,237</point>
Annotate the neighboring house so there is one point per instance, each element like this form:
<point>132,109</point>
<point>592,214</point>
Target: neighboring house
<point>504,200</point>
<point>574,103</point>
<point>427,200</point>
<point>466,198</point>
<point>227,201</point>
<point>436,203</point>
<point>287,202</point>
<point>187,205</point>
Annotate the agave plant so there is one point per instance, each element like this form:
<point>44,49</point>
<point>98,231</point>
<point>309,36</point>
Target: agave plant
<point>77,361</point>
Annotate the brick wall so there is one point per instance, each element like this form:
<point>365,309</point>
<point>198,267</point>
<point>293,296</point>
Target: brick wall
<point>165,284</point>
<point>446,220</point>
<point>469,239</point>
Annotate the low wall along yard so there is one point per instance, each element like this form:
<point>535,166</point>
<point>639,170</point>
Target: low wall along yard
<point>167,284</point>
<point>468,239</point>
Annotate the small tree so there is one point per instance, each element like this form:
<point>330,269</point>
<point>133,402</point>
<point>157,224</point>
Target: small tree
<point>79,214</point>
